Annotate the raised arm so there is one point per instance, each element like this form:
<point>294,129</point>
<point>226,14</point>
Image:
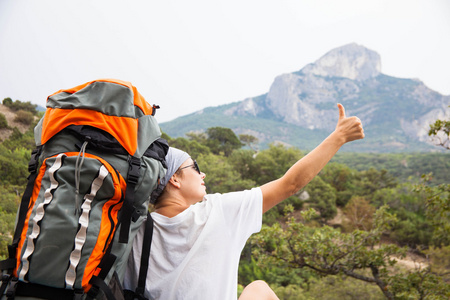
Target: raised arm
<point>304,170</point>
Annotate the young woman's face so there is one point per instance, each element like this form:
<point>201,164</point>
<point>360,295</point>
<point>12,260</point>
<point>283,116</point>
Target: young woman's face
<point>192,185</point>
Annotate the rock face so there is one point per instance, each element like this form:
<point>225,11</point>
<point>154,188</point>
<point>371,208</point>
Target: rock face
<point>352,76</point>
<point>350,61</point>
<point>296,98</point>
<point>396,112</point>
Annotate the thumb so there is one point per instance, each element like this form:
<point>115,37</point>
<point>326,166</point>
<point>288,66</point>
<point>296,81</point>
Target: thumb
<point>341,111</point>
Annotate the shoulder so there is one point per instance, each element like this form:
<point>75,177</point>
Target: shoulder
<point>251,193</point>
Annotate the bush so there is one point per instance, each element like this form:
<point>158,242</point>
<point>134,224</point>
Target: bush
<point>24,117</point>
<point>14,165</point>
<point>3,121</point>
<point>20,140</point>
<point>6,232</point>
<point>7,102</point>
<point>19,105</point>
<point>338,287</point>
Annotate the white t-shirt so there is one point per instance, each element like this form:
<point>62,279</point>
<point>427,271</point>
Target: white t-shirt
<point>195,255</point>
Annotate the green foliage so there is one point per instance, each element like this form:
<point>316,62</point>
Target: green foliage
<point>440,261</point>
<point>193,147</point>
<point>14,165</point>
<point>418,284</point>
<point>221,176</point>
<point>412,228</point>
<point>440,131</point>
<point>20,140</point>
<point>250,270</point>
<point>3,121</point>
<point>272,163</point>
<point>359,254</point>
<point>7,231</point>
<point>438,210</point>
<point>244,163</point>
<point>330,288</point>
<point>373,180</point>
<point>222,140</point>
<point>341,178</point>
<point>322,198</point>
<point>24,117</point>
<point>249,140</point>
<point>19,105</point>
<point>296,254</point>
<point>9,201</point>
<point>401,166</point>
<point>7,102</point>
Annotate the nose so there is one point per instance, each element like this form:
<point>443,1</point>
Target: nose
<point>202,175</point>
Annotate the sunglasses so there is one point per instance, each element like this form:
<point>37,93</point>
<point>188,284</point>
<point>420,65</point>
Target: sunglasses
<point>194,165</point>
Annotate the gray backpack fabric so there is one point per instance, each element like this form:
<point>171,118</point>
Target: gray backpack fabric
<point>99,156</point>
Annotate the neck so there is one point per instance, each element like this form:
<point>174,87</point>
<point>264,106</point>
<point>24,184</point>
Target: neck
<point>170,207</point>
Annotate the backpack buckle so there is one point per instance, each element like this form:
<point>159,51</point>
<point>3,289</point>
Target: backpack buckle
<point>11,292</point>
<point>32,165</point>
<point>134,170</point>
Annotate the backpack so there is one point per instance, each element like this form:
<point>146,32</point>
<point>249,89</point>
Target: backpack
<point>99,156</point>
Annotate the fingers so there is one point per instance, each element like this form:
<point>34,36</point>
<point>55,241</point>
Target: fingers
<point>341,111</point>
<point>350,127</point>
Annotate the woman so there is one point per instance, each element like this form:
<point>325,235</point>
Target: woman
<point>198,238</point>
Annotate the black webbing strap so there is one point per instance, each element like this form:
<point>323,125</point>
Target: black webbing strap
<point>145,256</point>
<point>128,207</point>
<point>97,285</point>
<point>20,288</point>
<point>6,279</point>
<point>98,282</point>
<point>138,294</point>
<point>32,168</point>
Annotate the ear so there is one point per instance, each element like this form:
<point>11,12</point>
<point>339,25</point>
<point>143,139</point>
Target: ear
<point>174,180</point>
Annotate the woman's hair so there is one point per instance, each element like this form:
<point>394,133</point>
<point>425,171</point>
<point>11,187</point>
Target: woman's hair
<point>174,159</point>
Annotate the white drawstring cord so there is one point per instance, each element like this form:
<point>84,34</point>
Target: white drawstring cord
<point>78,165</point>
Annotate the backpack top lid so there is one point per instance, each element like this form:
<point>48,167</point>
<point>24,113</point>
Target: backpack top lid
<point>111,105</point>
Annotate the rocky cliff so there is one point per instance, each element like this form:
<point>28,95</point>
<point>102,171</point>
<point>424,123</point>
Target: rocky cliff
<point>396,112</point>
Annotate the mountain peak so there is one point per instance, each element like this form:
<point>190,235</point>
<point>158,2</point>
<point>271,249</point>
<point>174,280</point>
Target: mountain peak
<point>349,61</point>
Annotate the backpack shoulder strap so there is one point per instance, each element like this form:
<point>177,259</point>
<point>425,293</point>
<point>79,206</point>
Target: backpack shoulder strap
<point>145,257</point>
<point>128,208</point>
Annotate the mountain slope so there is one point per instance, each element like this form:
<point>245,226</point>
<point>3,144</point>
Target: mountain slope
<point>300,107</point>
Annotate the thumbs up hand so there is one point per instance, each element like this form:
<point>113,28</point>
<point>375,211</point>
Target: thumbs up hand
<point>348,128</point>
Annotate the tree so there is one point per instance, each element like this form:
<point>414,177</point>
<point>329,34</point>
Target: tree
<point>3,121</point>
<point>24,117</point>
<point>221,176</point>
<point>440,132</point>
<point>438,198</point>
<point>222,140</point>
<point>191,146</point>
<point>272,163</point>
<point>359,254</point>
<point>340,177</point>
<point>249,140</point>
<point>437,209</point>
<point>19,105</point>
<point>373,180</point>
<point>14,165</point>
<point>7,102</point>
<point>322,197</point>
<point>358,214</point>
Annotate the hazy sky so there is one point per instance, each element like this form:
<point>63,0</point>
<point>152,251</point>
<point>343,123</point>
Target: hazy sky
<point>189,54</point>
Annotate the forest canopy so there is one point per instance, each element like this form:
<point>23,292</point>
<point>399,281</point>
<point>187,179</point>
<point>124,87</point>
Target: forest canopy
<point>343,235</point>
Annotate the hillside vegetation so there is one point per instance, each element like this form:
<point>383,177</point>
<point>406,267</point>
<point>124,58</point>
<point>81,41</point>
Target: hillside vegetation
<point>344,236</point>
